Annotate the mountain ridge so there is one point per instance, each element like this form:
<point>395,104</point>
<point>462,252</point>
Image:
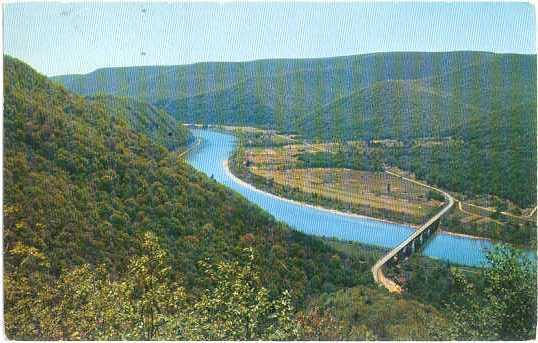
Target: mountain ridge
<point>284,89</point>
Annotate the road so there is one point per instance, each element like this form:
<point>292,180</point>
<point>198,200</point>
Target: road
<point>377,269</point>
<point>526,218</point>
<point>194,145</point>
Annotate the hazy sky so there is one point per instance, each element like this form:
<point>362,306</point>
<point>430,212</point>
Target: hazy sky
<point>62,38</point>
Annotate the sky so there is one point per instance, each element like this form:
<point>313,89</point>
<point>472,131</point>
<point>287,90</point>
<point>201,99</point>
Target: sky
<point>64,38</point>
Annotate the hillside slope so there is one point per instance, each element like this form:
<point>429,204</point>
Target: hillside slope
<point>314,82</point>
<point>143,118</point>
<point>82,187</point>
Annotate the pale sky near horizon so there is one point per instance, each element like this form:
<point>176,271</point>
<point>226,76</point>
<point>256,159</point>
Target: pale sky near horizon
<point>66,38</point>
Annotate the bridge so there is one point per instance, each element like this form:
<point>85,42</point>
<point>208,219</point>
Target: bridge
<point>412,243</point>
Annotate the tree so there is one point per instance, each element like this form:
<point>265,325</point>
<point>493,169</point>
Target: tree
<point>238,307</point>
<point>147,304</point>
<point>315,324</point>
<point>86,304</point>
<point>149,295</point>
<point>504,308</point>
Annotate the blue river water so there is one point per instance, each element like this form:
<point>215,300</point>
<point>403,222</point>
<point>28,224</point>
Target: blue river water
<point>215,148</point>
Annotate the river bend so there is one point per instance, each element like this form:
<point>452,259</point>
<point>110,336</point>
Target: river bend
<point>214,150</point>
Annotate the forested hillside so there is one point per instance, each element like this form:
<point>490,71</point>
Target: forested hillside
<point>83,189</point>
<point>484,102</point>
<point>157,124</point>
<point>271,92</point>
<point>288,87</point>
<point>456,103</point>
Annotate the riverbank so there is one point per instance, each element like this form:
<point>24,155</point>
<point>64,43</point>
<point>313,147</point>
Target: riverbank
<point>289,171</point>
<point>346,214</point>
<point>306,205</point>
<point>190,148</point>
<point>464,235</point>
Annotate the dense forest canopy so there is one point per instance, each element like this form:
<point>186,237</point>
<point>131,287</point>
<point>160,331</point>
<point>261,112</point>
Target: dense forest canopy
<point>158,125</point>
<point>84,184</point>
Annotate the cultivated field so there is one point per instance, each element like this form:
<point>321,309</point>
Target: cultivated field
<point>376,190</point>
<point>360,189</point>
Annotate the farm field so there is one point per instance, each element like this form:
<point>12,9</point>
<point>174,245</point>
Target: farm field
<point>369,192</point>
<point>371,189</point>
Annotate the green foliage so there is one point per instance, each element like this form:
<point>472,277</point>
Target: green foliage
<point>503,307</point>
<point>147,304</point>
<point>350,157</point>
<point>362,313</point>
<point>518,233</point>
<point>475,166</point>
<point>434,195</point>
<point>239,307</point>
<point>427,280</point>
<point>85,303</point>
<point>81,184</point>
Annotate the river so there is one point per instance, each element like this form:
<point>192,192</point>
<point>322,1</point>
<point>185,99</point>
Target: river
<point>215,149</point>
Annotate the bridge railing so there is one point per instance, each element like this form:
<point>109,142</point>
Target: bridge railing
<point>377,269</point>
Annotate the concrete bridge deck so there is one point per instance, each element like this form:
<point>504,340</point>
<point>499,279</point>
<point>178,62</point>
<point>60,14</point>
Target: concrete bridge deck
<point>409,245</point>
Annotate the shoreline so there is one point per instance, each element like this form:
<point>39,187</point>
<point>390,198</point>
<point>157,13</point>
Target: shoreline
<point>465,235</point>
<point>193,145</point>
<point>333,211</point>
<point>295,202</point>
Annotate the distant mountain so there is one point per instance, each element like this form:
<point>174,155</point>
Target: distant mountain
<point>453,103</point>
<point>165,81</point>
<point>286,93</point>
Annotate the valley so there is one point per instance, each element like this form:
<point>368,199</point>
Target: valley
<point>269,171</point>
<point>99,219</point>
<point>112,202</point>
